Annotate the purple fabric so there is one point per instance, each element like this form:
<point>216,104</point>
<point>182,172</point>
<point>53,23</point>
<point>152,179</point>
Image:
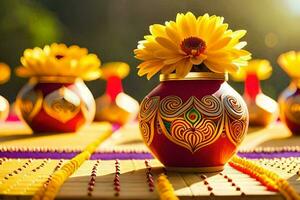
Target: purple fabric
<point>28,154</point>
<point>95,156</point>
<point>131,155</point>
<point>283,154</point>
<point>121,156</point>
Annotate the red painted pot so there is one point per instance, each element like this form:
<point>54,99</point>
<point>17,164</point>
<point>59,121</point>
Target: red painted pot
<point>55,104</point>
<point>289,103</point>
<point>195,123</point>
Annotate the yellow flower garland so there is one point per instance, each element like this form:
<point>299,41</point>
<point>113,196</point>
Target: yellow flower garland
<point>50,190</point>
<point>165,188</point>
<point>268,177</point>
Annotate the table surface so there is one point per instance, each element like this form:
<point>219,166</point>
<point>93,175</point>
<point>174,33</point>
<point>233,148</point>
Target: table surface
<point>17,141</point>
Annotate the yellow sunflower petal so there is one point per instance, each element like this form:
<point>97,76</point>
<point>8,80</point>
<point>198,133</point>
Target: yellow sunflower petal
<point>183,68</point>
<point>157,30</point>
<point>167,69</point>
<point>172,32</point>
<point>166,43</point>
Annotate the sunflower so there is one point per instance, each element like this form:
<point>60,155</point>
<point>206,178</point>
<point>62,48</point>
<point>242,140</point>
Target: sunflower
<point>290,63</point>
<point>59,60</point>
<point>261,68</point>
<point>5,73</point>
<point>189,41</point>
<point>118,69</point>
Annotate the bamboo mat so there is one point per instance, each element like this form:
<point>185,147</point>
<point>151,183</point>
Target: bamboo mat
<point>230,184</point>
<point>21,178</point>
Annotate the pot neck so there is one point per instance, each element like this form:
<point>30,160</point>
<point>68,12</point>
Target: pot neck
<point>252,86</point>
<point>195,76</point>
<point>114,87</point>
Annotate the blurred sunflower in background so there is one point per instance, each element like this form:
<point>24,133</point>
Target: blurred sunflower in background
<point>4,73</point>
<point>59,60</point>
<point>189,41</point>
<point>260,67</point>
<point>290,63</point>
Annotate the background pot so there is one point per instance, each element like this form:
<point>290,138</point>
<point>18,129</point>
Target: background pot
<point>55,104</point>
<point>195,123</point>
<point>289,103</point>
<point>4,108</point>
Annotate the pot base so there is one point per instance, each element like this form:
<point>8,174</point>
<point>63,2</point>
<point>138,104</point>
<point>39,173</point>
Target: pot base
<point>196,169</point>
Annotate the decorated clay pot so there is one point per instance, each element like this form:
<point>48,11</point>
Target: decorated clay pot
<point>289,102</point>
<point>263,110</point>
<point>115,106</point>
<point>4,108</point>
<point>55,104</point>
<point>195,123</point>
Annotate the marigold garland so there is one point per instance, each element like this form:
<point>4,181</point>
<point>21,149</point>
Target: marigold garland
<point>165,188</point>
<point>268,178</point>
<point>49,191</point>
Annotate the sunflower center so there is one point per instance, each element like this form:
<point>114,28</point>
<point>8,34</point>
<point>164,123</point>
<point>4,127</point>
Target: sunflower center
<point>193,46</point>
<point>59,56</point>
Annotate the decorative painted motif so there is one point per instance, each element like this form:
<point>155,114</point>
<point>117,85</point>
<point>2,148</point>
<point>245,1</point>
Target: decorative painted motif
<point>148,110</point>
<point>235,118</point>
<point>62,104</point>
<point>30,103</point>
<point>195,123</point>
<point>65,102</point>
<point>292,110</point>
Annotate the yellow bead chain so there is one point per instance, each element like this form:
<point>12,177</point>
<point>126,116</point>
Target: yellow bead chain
<point>270,178</point>
<point>165,188</point>
<point>49,191</point>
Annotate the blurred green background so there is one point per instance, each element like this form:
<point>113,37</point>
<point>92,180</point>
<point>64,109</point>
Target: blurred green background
<point>112,28</point>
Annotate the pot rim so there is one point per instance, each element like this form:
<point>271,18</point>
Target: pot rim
<point>195,76</point>
<point>55,79</point>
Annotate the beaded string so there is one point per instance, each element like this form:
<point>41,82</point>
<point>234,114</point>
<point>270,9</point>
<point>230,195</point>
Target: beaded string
<point>165,188</point>
<point>92,182</point>
<point>117,185</point>
<point>209,188</point>
<point>62,174</point>
<point>268,178</point>
<point>15,172</point>
<point>287,165</point>
<point>149,176</point>
<point>233,184</point>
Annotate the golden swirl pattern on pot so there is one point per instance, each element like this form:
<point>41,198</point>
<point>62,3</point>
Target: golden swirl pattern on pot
<point>148,110</point>
<point>292,109</point>
<point>193,124</point>
<point>236,118</point>
<point>193,137</point>
<point>62,104</point>
<point>29,102</point>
